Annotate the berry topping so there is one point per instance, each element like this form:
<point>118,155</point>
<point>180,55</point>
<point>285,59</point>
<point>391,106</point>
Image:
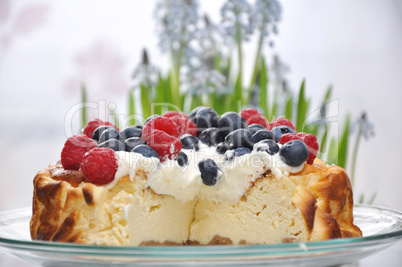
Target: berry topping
<point>239,138</point>
<point>131,143</point>
<point>170,114</point>
<point>294,153</point>
<point>183,123</point>
<point>309,140</point>
<point>93,124</point>
<point>240,151</point>
<point>182,159</point>
<point>281,121</point>
<point>221,148</point>
<point>167,146</point>
<point>253,128</point>
<point>267,145</point>
<point>189,141</point>
<point>211,136</point>
<point>129,132</point>
<point>210,173</point>
<point>252,116</point>
<point>74,148</point>
<point>164,124</point>
<point>110,133</point>
<point>191,116</point>
<point>113,144</point>
<point>231,121</point>
<point>281,130</point>
<point>98,132</point>
<point>99,165</point>
<point>146,151</point>
<point>150,118</point>
<point>262,135</point>
<point>205,118</point>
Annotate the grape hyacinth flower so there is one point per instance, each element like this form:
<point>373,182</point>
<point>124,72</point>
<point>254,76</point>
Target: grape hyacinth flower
<point>176,25</point>
<point>145,73</point>
<point>237,27</point>
<point>236,20</point>
<point>266,14</point>
<point>364,129</point>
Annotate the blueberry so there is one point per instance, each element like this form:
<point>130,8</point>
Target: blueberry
<point>294,153</point>
<point>210,173</point>
<point>281,130</point>
<point>114,144</point>
<point>221,148</point>
<point>189,141</point>
<point>240,151</point>
<point>262,135</point>
<point>150,118</point>
<point>191,116</point>
<point>110,133</point>
<point>267,145</point>
<point>98,131</point>
<point>146,151</point>
<point>239,138</point>
<point>129,132</point>
<point>253,128</point>
<point>182,159</point>
<point>205,118</point>
<point>231,121</point>
<point>211,136</point>
<point>132,142</point>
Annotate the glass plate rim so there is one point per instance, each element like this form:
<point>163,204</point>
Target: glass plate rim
<point>217,250</point>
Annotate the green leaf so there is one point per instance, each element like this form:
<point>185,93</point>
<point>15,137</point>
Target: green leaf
<point>289,108</point>
<point>327,95</point>
<point>237,94</point>
<point>301,108</point>
<point>160,94</point>
<point>115,118</point>
<point>146,105</point>
<point>263,87</point>
<point>84,109</point>
<point>131,107</point>
<point>323,142</point>
<point>343,144</point>
<point>332,157</point>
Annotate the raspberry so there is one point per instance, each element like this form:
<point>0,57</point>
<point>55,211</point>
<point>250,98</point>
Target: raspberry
<point>73,150</point>
<point>252,116</point>
<point>170,114</point>
<point>183,123</point>
<point>167,146</point>
<point>93,124</point>
<point>99,165</point>
<point>160,123</point>
<point>309,139</point>
<point>280,121</point>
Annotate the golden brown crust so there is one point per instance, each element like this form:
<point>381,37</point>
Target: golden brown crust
<point>332,212</point>
<point>323,195</point>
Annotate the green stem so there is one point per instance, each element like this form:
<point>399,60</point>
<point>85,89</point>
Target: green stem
<point>84,109</point>
<point>354,156</point>
<point>256,63</point>
<point>239,51</point>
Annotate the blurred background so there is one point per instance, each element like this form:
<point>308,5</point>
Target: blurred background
<point>48,49</point>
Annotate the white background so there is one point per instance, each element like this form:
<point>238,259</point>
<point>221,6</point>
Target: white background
<point>48,47</point>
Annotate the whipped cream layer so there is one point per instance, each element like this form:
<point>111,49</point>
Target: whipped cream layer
<point>185,183</point>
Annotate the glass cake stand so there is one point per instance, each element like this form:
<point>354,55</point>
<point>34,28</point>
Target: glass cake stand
<point>381,228</point>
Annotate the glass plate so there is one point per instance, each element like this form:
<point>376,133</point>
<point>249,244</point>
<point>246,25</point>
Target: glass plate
<point>381,228</point>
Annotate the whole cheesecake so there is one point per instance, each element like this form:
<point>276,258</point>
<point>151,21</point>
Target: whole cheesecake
<point>200,179</point>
